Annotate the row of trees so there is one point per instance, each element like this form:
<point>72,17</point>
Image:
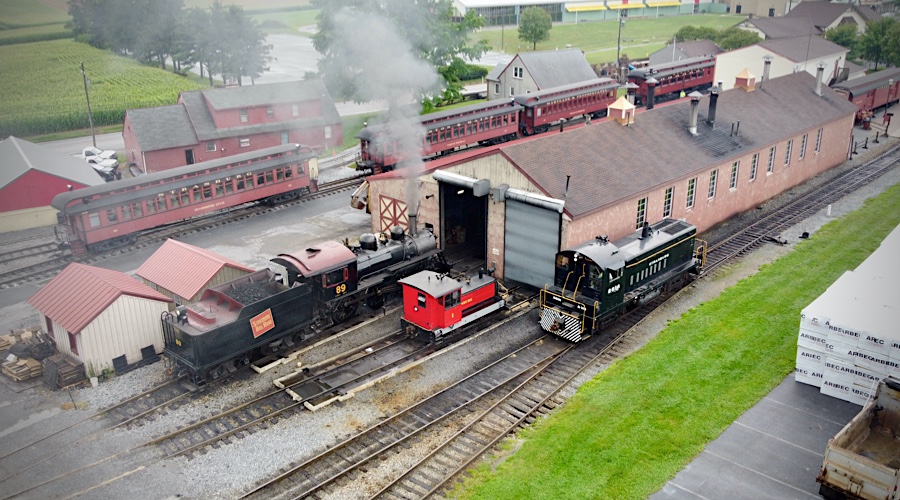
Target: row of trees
<point>223,40</point>
<point>728,38</point>
<point>880,44</point>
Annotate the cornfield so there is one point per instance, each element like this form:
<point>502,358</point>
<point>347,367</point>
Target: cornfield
<point>42,90</point>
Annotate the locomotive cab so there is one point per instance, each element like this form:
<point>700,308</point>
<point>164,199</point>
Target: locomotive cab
<point>329,268</point>
<point>435,304</point>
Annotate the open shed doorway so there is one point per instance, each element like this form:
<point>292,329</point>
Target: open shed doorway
<point>463,226</point>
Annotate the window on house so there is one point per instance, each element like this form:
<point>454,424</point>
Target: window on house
<point>753,165</point>
<point>245,142</point>
<point>210,146</point>
<point>691,186</point>
<point>295,109</point>
<point>270,112</point>
<point>512,91</point>
<point>712,183</point>
<point>818,140</point>
<point>497,88</point>
<point>732,184</point>
<point>244,117</point>
<point>667,202</point>
<point>787,153</point>
<point>518,72</point>
<point>641,213</point>
<point>328,132</point>
<point>771,167</point>
<point>802,147</point>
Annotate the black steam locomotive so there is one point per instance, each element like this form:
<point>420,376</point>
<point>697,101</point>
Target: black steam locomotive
<point>597,280</point>
<point>263,313</point>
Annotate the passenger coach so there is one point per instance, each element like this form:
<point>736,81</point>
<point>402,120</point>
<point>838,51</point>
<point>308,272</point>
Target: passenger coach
<point>101,217</point>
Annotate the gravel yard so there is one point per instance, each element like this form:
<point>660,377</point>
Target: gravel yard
<point>229,469</point>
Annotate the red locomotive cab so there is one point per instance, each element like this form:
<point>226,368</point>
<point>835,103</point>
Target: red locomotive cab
<point>435,304</point>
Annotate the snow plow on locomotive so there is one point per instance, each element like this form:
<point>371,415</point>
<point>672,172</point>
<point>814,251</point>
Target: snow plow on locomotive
<point>598,280</point>
<point>264,313</point>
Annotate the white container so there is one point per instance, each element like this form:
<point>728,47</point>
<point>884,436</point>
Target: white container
<point>808,374</point>
<point>95,381</point>
<point>811,339</point>
<point>810,357</point>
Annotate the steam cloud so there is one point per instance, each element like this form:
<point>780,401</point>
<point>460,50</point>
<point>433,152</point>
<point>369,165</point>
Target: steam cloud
<point>390,70</point>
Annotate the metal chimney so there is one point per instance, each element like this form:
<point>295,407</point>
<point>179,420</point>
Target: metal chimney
<point>713,98</point>
<point>820,70</point>
<point>766,65</point>
<point>695,111</point>
<point>651,89</point>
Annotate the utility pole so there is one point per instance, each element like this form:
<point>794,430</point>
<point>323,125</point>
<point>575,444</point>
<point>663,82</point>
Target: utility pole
<point>88,96</point>
<point>622,14</point>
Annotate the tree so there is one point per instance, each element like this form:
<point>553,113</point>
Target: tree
<point>370,48</point>
<point>534,26</point>
<point>688,33</point>
<point>735,38</point>
<point>872,43</point>
<point>846,36</point>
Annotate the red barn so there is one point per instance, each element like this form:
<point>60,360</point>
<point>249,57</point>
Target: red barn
<point>30,176</point>
<point>213,123</point>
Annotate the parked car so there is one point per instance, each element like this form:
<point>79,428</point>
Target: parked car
<point>92,152</point>
<point>108,169</point>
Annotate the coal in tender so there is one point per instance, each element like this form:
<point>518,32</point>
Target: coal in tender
<point>248,293</point>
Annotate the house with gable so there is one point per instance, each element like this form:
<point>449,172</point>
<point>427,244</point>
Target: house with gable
<point>769,28</point>
<point>214,123</point>
<point>827,15</point>
<point>533,71</point>
<point>684,50</point>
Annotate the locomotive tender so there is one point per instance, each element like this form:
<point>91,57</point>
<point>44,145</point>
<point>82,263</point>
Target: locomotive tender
<point>597,280</point>
<point>487,123</point>
<point>247,319</point>
<point>101,217</point>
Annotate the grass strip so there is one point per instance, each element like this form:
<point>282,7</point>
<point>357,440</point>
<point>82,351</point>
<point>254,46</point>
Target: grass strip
<point>636,424</point>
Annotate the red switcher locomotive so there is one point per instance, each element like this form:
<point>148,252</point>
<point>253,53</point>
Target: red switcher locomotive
<point>435,304</point>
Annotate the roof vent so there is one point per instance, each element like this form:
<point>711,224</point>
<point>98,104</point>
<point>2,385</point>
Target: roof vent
<point>820,70</point>
<point>745,80</point>
<point>767,64</point>
<point>695,111</point>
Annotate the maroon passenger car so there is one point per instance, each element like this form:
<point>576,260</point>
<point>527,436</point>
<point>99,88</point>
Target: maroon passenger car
<point>100,217</point>
<point>686,75</point>
<point>544,107</point>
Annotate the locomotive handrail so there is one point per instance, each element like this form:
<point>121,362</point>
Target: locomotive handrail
<point>577,284</point>
<point>566,282</point>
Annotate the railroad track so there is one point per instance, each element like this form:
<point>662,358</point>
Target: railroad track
<point>477,411</point>
<point>767,228</point>
<point>333,379</point>
<point>55,263</point>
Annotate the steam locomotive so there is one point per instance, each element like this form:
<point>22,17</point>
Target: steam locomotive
<point>596,281</point>
<point>263,313</point>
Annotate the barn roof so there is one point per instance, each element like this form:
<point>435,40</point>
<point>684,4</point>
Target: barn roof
<point>783,27</point>
<point>552,68</point>
<point>696,48</point>
<point>162,127</point>
<point>270,93</point>
<point>803,48</point>
<point>184,269</point>
<point>80,293</point>
<point>18,156</point>
<point>610,163</point>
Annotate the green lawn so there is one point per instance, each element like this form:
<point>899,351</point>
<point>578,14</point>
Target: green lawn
<point>640,37</point>
<point>21,13</point>
<point>633,427</point>
<point>49,96</point>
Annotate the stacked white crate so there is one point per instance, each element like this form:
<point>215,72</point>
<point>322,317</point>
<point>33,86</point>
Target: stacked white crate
<point>850,336</point>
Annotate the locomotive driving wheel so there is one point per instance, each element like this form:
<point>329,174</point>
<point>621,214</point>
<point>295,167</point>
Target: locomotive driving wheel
<point>343,310</point>
<point>375,301</point>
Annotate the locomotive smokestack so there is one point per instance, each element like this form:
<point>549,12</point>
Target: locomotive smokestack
<point>713,98</point>
<point>768,63</point>
<point>695,111</point>
<point>651,90</point>
<point>820,70</point>
<point>645,231</point>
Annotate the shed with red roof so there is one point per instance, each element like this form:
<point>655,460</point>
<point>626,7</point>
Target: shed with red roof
<point>97,315</point>
<point>183,272</point>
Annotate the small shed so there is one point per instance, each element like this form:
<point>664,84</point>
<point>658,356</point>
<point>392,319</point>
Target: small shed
<point>30,176</point>
<point>183,272</point>
<point>99,315</point>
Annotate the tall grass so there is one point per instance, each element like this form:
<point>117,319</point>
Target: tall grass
<point>45,93</point>
<point>628,431</point>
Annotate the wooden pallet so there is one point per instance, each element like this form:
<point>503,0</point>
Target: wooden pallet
<point>23,369</point>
